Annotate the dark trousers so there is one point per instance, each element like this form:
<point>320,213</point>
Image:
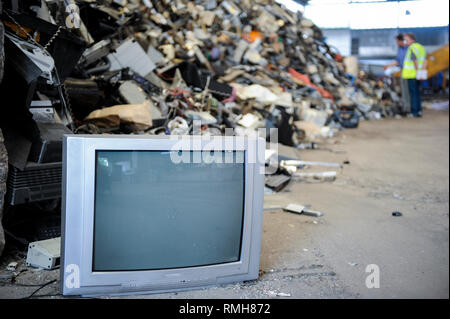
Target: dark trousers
<point>414,94</point>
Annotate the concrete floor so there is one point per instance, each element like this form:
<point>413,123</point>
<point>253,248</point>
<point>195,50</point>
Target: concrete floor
<point>394,165</point>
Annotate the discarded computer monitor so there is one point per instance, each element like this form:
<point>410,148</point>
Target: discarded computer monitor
<point>158,214</point>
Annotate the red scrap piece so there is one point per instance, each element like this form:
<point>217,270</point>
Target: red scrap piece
<point>305,79</point>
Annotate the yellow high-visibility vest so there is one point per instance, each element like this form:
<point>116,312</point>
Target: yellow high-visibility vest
<point>409,70</point>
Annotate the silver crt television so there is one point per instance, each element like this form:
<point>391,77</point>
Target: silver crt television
<point>160,213</point>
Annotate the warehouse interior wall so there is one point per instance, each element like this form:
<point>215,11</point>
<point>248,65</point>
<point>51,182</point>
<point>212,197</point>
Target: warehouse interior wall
<point>380,43</point>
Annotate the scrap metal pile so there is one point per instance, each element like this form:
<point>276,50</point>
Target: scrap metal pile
<point>152,67</point>
<point>163,67</point>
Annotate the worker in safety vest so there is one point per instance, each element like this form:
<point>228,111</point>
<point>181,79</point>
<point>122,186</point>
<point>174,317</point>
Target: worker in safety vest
<point>414,69</point>
<point>399,59</point>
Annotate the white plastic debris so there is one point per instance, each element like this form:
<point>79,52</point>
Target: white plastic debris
<point>12,266</point>
<point>130,54</point>
<point>249,121</point>
<point>178,126</point>
<point>278,294</point>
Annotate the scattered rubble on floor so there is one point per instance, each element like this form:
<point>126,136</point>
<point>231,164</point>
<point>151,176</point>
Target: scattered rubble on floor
<point>327,176</point>
<point>300,209</point>
<point>297,209</point>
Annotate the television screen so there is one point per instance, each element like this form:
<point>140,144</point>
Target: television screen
<point>159,213</point>
<point>152,213</point>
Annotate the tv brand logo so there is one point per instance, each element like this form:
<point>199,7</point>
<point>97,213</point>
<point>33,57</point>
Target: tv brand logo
<point>72,276</point>
<point>373,280</point>
<point>213,151</point>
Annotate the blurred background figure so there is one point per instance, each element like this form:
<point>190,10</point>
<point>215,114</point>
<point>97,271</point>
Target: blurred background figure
<point>414,69</point>
<point>397,65</point>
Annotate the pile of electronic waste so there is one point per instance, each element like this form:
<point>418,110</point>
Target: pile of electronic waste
<point>166,67</point>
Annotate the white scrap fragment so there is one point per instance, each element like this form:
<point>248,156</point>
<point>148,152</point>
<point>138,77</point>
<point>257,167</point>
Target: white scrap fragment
<point>398,196</point>
<point>12,266</point>
<point>278,294</point>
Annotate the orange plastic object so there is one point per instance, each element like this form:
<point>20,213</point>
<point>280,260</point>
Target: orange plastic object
<point>255,35</point>
<point>305,79</point>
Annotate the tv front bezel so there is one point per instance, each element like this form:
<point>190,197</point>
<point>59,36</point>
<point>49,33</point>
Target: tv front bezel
<point>78,200</point>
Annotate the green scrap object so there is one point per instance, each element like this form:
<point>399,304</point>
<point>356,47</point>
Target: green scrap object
<point>213,103</point>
